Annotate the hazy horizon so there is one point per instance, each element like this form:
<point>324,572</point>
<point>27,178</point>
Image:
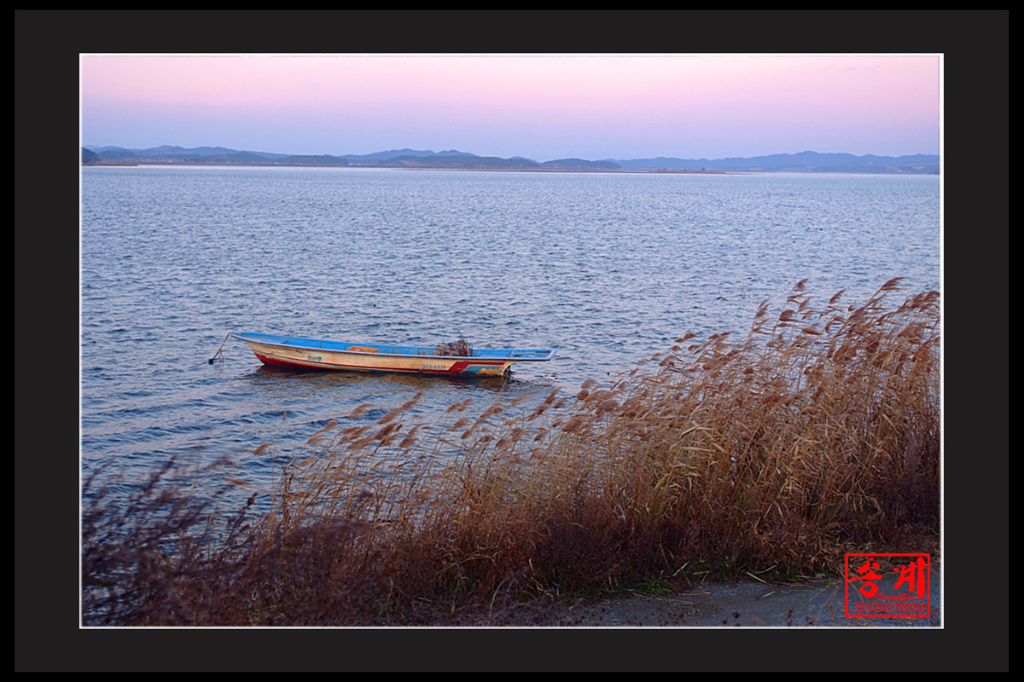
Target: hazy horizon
<point>542,107</point>
<point>467,152</point>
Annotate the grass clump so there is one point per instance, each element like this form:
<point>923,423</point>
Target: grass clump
<point>772,454</point>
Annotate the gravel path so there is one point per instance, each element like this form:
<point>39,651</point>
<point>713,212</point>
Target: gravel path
<point>815,603</point>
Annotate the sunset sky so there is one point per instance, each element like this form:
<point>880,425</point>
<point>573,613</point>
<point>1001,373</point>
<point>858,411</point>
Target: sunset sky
<point>542,107</point>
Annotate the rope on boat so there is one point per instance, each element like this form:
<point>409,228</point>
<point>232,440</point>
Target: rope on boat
<point>219,354</point>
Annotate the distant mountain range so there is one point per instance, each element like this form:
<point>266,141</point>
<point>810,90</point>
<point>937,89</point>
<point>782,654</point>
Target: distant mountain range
<point>804,162</point>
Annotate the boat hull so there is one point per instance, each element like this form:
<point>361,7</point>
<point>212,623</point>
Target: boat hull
<point>285,351</point>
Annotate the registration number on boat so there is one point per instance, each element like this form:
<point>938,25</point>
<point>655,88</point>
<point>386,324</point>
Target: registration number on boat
<point>314,358</point>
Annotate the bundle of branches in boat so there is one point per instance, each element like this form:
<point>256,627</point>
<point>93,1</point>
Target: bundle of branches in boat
<point>460,348</point>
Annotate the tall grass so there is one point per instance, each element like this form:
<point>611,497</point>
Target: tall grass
<point>771,453</point>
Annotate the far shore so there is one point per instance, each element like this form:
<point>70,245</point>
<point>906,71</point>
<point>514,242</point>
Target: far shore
<point>413,167</point>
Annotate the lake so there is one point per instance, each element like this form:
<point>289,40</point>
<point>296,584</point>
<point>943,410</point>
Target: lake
<point>607,267</point>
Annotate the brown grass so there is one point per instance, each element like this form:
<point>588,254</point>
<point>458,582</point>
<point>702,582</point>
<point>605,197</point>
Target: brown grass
<point>815,434</point>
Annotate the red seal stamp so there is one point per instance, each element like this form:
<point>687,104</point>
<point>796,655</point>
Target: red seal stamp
<point>888,585</point>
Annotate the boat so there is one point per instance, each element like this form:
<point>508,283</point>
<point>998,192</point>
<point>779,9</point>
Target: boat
<point>294,351</point>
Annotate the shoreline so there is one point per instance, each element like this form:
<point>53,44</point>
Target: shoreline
<point>634,171</point>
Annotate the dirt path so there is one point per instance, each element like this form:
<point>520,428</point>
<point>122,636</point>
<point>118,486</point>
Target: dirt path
<point>817,603</point>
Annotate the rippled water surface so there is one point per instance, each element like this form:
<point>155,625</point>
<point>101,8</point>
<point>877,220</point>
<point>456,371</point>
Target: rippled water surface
<point>608,268</point>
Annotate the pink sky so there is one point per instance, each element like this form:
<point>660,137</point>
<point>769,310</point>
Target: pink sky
<point>542,107</point>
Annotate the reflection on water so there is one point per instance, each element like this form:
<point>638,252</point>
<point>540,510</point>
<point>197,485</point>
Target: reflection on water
<point>608,268</point>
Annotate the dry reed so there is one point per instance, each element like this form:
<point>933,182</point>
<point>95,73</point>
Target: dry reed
<point>816,433</point>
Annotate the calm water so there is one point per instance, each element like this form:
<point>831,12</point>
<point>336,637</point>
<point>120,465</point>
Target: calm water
<point>609,268</point>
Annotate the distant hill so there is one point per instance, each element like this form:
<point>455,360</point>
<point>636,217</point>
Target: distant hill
<point>804,162</point>
<point>581,164</point>
<point>469,161</point>
<point>310,160</point>
<point>382,157</point>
